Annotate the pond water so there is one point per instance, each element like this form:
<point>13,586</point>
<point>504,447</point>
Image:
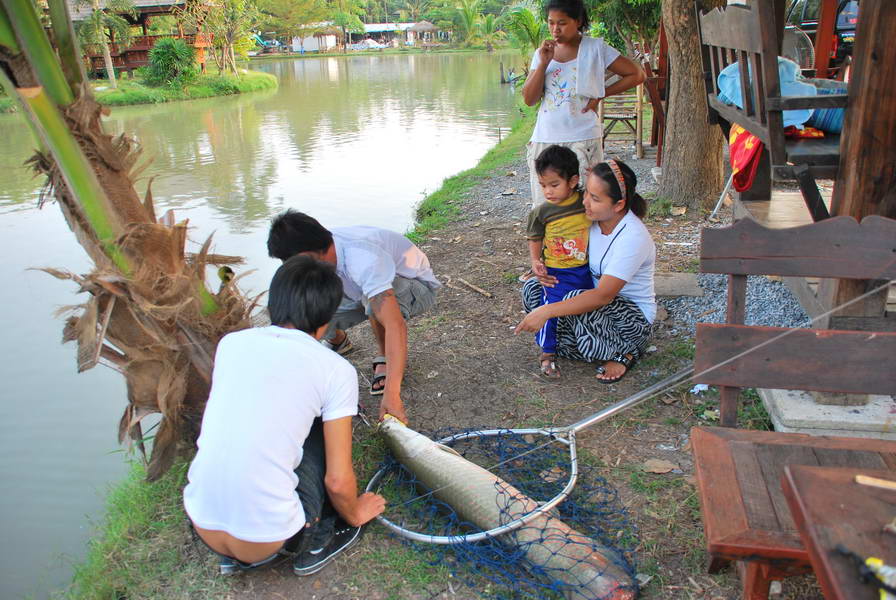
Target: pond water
<point>350,140</point>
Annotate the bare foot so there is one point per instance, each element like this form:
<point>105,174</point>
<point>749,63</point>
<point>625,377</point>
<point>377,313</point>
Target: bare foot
<point>612,371</point>
<point>549,368</point>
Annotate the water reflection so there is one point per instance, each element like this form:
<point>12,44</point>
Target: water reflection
<point>351,140</point>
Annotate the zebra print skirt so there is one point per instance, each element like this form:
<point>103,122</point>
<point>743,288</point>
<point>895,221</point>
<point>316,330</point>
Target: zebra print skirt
<point>617,328</point>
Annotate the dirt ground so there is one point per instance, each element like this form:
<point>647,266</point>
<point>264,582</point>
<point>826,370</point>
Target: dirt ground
<point>467,369</point>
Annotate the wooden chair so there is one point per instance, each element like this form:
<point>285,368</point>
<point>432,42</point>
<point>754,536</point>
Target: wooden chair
<point>733,355</point>
<point>625,112</point>
<point>748,35</point>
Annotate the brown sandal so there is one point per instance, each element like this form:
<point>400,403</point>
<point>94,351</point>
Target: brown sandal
<point>549,368</point>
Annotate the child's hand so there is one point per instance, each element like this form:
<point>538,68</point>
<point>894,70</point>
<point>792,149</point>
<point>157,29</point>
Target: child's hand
<point>539,269</point>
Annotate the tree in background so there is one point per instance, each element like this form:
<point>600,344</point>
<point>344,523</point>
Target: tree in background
<point>468,13</point>
<point>103,25</point>
<point>692,167</point>
<point>412,10</point>
<point>294,18</point>
<point>346,15</point>
<point>526,27</point>
<point>230,22</point>
<point>629,22</point>
<point>487,32</point>
<point>172,61</point>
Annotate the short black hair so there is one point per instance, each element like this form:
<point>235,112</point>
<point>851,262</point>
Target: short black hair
<point>293,232</point>
<point>305,292</point>
<point>574,9</point>
<point>559,159</point>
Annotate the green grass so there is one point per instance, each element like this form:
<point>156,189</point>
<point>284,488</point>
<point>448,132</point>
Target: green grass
<point>7,105</point>
<point>142,550</point>
<point>396,570</point>
<point>206,86</point>
<point>441,207</point>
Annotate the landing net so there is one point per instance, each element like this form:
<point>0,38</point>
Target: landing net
<point>498,567</point>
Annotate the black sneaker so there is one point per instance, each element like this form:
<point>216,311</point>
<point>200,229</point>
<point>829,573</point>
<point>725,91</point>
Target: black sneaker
<point>227,566</point>
<point>312,561</point>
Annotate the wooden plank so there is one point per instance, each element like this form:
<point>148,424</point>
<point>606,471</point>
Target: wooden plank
<point>814,151</point>
<point>796,359</point>
<point>733,114</point>
<point>723,511</point>
<point>754,494</point>
<point>735,314</point>
<point>830,508</point>
<point>773,458</point>
<point>835,247</point>
<point>734,27</point>
<point>811,195</point>
<point>806,102</point>
<point>864,459</point>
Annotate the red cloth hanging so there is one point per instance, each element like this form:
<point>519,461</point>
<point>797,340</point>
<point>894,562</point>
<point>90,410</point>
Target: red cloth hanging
<point>744,150</point>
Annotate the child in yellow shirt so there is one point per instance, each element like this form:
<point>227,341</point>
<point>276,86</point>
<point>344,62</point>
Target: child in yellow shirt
<point>558,240</point>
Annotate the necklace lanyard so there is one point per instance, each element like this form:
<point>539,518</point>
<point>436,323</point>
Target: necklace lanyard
<point>600,263</point>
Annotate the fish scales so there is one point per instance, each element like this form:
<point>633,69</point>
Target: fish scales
<point>590,570</point>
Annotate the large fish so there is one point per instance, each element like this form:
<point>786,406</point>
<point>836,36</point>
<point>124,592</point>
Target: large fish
<point>589,570</point>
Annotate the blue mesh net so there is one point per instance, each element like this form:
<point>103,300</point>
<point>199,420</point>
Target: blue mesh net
<point>584,546</point>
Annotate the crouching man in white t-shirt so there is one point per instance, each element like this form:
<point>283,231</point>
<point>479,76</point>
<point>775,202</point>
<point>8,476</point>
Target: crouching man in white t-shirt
<point>274,468</point>
<point>385,279</point>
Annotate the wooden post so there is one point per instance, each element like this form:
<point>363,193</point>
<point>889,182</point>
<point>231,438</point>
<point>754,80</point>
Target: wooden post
<point>639,121</point>
<point>866,184</point>
<point>824,36</point>
<point>737,300</point>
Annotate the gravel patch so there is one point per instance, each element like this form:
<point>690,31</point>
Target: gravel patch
<point>769,303</point>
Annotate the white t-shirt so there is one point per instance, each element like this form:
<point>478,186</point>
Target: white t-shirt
<point>627,253</point>
<point>369,258</point>
<point>560,118</point>
<point>268,386</point>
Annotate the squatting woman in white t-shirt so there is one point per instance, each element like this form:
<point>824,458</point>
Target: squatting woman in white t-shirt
<point>567,76</point>
<point>611,323</point>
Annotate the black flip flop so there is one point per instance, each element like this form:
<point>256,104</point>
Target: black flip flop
<point>379,360</point>
<point>622,359</point>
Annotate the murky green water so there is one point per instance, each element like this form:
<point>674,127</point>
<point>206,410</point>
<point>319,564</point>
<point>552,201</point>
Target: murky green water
<point>350,140</point>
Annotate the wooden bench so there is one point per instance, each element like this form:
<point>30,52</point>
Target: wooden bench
<point>734,355</point>
<point>749,35</point>
<point>746,517</point>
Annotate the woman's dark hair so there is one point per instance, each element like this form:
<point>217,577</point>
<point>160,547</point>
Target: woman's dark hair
<point>574,9</point>
<point>633,199</point>
<point>559,159</point>
<point>304,292</point>
<point>293,232</point>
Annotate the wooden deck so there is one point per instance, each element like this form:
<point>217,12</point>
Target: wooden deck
<point>787,209</point>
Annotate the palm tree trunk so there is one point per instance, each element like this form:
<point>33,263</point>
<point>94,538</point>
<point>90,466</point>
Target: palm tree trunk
<point>110,69</point>
<point>149,311</point>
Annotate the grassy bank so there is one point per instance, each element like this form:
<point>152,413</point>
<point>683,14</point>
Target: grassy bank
<point>143,548</point>
<point>205,86</point>
<point>442,206</point>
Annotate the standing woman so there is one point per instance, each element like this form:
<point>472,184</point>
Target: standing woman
<point>567,76</point>
<point>611,323</point>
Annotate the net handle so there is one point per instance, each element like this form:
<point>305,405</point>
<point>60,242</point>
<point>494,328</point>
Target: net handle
<point>447,540</point>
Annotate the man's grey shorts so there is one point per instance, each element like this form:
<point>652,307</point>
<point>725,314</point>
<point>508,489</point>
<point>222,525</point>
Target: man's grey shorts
<point>414,298</point>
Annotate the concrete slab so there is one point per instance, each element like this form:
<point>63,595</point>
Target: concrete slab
<point>795,411</point>
<point>676,284</point>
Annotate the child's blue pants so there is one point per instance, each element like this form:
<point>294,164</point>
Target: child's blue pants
<point>569,279</point>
